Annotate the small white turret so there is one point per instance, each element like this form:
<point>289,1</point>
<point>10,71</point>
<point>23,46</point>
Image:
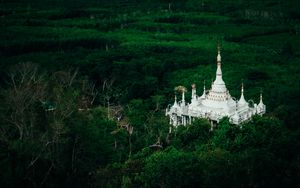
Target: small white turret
<point>260,101</point>
<point>242,100</point>
<point>261,106</point>
<point>175,102</point>
<point>194,96</point>
<point>204,90</point>
<point>181,89</point>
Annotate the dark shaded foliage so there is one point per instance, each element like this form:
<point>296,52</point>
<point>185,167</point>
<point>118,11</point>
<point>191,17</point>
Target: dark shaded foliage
<point>56,45</point>
<point>145,49</point>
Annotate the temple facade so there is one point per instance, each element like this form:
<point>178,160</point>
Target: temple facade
<point>214,104</point>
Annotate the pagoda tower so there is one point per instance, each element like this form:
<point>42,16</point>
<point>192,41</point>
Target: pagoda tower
<point>214,104</point>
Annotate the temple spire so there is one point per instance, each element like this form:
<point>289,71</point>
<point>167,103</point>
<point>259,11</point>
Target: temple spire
<point>261,99</point>
<point>194,91</point>
<point>219,55</point>
<point>219,71</point>
<point>175,100</point>
<point>242,89</point>
<point>261,106</point>
<point>219,79</point>
<point>242,100</point>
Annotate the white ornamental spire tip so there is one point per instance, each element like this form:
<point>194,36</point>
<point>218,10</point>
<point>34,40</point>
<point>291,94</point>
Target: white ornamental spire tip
<point>242,100</point>
<point>175,100</point>
<point>261,100</point>
<point>203,94</point>
<point>242,90</point>
<point>219,80</point>
<point>193,91</point>
<point>219,54</point>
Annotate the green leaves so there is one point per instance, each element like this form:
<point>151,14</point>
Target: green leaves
<point>142,50</point>
<point>172,168</point>
<point>190,136</point>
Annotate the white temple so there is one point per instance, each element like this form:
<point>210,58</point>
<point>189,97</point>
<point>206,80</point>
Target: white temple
<point>214,104</point>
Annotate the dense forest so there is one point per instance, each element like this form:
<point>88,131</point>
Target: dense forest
<point>84,85</point>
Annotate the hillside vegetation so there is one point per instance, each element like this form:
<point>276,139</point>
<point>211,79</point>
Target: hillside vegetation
<point>84,85</point>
